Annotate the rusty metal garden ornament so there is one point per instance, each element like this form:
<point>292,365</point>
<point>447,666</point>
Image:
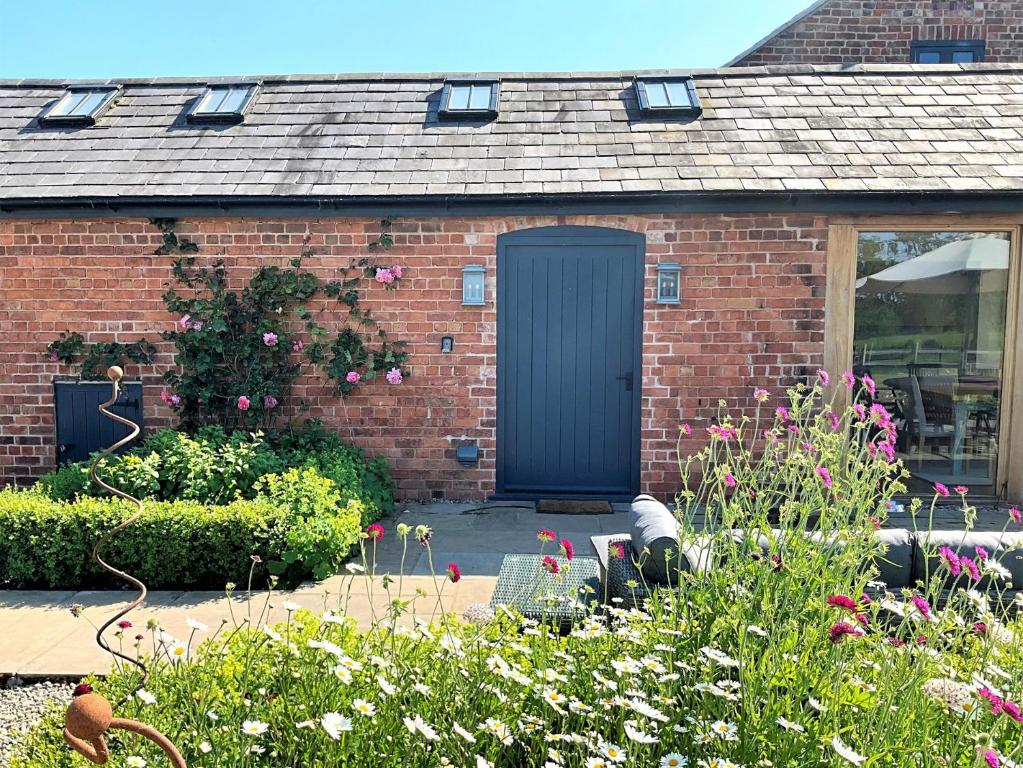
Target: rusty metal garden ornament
<point>90,716</point>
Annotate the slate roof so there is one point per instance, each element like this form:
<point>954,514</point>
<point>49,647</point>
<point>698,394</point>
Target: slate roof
<point>867,128</point>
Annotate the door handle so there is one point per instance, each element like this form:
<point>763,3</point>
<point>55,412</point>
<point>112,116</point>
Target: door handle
<point>627,378</point>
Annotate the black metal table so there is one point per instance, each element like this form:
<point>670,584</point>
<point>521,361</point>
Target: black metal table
<point>524,586</point>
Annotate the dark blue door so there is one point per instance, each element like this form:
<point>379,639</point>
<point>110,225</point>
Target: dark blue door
<point>569,344</point>
<point>81,428</point>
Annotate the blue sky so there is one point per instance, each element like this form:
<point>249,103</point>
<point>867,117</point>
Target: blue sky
<point>140,38</point>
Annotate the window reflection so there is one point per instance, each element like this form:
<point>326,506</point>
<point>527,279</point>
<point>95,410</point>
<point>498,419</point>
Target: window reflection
<point>930,330</point>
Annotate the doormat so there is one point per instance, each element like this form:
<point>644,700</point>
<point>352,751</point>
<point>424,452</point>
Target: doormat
<point>574,506</point>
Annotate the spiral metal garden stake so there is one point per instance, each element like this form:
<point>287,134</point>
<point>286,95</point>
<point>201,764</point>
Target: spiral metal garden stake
<point>90,715</point>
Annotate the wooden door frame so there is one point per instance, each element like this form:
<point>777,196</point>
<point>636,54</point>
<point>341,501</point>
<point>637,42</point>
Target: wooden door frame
<point>840,305</point>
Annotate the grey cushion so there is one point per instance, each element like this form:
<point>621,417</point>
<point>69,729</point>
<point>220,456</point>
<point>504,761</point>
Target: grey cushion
<point>654,529</point>
<point>1006,548</point>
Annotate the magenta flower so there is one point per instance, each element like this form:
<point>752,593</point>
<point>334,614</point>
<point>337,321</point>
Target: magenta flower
<point>843,601</point>
<point>545,535</point>
<point>721,432</point>
<point>860,411</point>
<point>567,550</point>
<point>970,566</point>
<point>396,271</point>
<point>950,560</point>
<point>835,423</point>
<point>1015,515</point>
<point>781,413</point>
<point>879,415</point>
<point>991,758</point>
<point>270,339</point>
<point>393,376</point>
<point>1011,708</point>
<point>297,345</point>
<point>165,396</point>
<point>185,322</point>
<point>761,395</point>
<point>823,376</point>
<point>375,531</point>
<point>923,607</point>
<point>824,475</point>
<point>962,490</point>
<point>243,403</point>
<point>941,489</point>
<point>980,628</point>
<point>889,451</point>
<point>686,430</point>
<point>839,631</point>
<point>175,401</point>
<point>197,325</point>
<point>616,551</point>
<point>54,357</point>
<point>353,377</point>
<point>995,701</point>
<point>384,275</point>
<point>869,385</point>
<point>124,624</point>
<point>550,565</point>
<point>269,401</point>
<point>848,379</point>
<point>454,573</point>
<point>730,480</point>
<point>982,554</point>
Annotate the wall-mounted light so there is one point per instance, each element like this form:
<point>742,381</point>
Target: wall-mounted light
<point>669,282</point>
<point>473,285</point>
<point>468,455</point>
<point>447,343</point>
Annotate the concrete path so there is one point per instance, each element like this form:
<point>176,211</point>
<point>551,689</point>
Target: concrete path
<point>40,637</point>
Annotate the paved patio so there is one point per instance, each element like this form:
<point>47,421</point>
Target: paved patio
<point>40,637</point>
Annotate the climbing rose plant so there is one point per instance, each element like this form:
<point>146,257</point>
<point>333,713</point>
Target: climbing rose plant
<point>238,353</point>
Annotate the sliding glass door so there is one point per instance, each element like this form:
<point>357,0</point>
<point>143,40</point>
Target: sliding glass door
<point>930,328</point>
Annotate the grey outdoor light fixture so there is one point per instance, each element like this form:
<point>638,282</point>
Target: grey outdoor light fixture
<point>473,285</point>
<point>669,281</point>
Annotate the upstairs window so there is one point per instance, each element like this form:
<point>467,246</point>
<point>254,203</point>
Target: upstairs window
<point>667,95</point>
<point>946,51</point>
<point>80,105</point>
<point>469,98</point>
<point>223,103</point>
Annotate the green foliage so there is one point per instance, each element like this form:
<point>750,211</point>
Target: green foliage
<point>323,528</point>
<point>93,359</point>
<point>179,544</point>
<point>238,353</point>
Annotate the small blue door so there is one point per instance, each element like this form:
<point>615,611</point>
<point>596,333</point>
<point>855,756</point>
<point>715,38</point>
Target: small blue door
<point>81,428</point>
<point>569,352</point>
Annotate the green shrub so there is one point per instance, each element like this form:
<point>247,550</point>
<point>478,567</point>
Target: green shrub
<point>323,526</point>
<point>180,544</point>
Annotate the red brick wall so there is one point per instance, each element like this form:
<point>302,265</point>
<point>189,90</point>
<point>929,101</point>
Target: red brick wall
<point>751,314</point>
<point>844,31</point>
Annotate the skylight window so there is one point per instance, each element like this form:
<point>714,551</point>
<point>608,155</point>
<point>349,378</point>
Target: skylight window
<point>667,95</point>
<point>469,98</point>
<point>80,105</point>
<point>225,103</point>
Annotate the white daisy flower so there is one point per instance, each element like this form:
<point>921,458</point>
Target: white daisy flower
<point>291,607</point>
<point>335,724</point>
<point>499,730</point>
<point>364,707</point>
<point>463,733</point>
<point>674,760</point>
<point>596,762</point>
<point>354,568</point>
<point>638,736</point>
<point>417,724</point>
<point>134,761</point>
<point>846,752</point>
<point>254,728</point>
<point>177,651</point>
<point>788,725</point>
<point>385,686</point>
<point>205,747</point>
<point>727,731</point>
<point>342,673</point>
<point>145,696</point>
<point>614,753</point>
<point>755,630</point>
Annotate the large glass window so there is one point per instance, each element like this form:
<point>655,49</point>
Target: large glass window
<point>930,330</point>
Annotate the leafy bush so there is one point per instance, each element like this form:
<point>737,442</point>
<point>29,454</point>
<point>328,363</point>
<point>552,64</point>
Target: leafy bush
<point>322,527</point>
<point>775,658</point>
<point>179,544</point>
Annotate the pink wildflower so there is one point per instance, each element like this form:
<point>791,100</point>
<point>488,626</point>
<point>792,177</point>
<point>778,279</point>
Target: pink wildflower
<point>454,573</point>
<point>869,385</point>
<point>545,535</point>
<point>761,395</point>
<point>550,565</point>
<point>686,430</point>
<point>843,601</point>
<point>879,415</point>
<point>970,566</point>
<point>730,480</point>
<point>353,377</point>
<point>996,702</point>
<point>165,395</point>
<point>782,413</point>
<point>721,432</point>
<point>980,628</point>
<point>270,339</point>
<point>567,550</point>
<point>297,345</point>
<point>81,689</point>
<point>384,275</point>
<point>1015,515</point>
<point>824,475</point>
<point>124,624</point>
<point>895,642</point>
<point>848,379</point>
<point>269,401</point>
<point>950,560</point>
<point>1011,709</point>
<point>860,411</point>
<point>243,403</point>
<point>888,450</point>
<point>962,490</point>
<point>840,630</point>
<point>185,322</point>
<point>923,607</point>
<point>396,270</point>
<point>991,758</point>
<point>982,554</point>
<point>375,531</point>
<point>54,357</point>
<point>823,376</point>
<point>835,423</point>
<point>777,563</point>
<point>941,489</point>
<point>616,551</point>
<point>393,376</point>
<point>175,400</point>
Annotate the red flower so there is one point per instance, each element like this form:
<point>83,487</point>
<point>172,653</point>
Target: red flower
<point>454,573</point>
<point>843,601</point>
<point>962,490</point>
<point>124,624</point>
<point>550,565</point>
<point>1015,515</point>
<point>941,489</point>
<point>375,531</point>
<point>616,551</point>
<point>980,628</point>
<point>81,689</point>
<point>923,606</point>
<point>895,642</point>
<point>567,549</point>
<point>840,630</point>
<point>776,562</point>
<point>546,535</point>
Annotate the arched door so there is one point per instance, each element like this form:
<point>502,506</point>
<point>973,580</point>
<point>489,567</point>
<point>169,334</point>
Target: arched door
<point>569,361</point>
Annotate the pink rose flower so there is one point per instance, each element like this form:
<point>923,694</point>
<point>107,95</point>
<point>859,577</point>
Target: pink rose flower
<point>352,377</point>
<point>270,339</point>
<point>269,401</point>
<point>396,270</point>
<point>243,403</point>
<point>297,345</point>
<point>384,275</point>
<point>393,376</point>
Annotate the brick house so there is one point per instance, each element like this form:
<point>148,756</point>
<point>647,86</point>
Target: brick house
<point>894,32</point>
<point>649,244</point>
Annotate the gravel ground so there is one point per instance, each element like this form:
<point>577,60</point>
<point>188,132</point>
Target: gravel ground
<point>20,709</point>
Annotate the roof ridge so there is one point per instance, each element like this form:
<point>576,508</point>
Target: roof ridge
<point>696,72</point>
